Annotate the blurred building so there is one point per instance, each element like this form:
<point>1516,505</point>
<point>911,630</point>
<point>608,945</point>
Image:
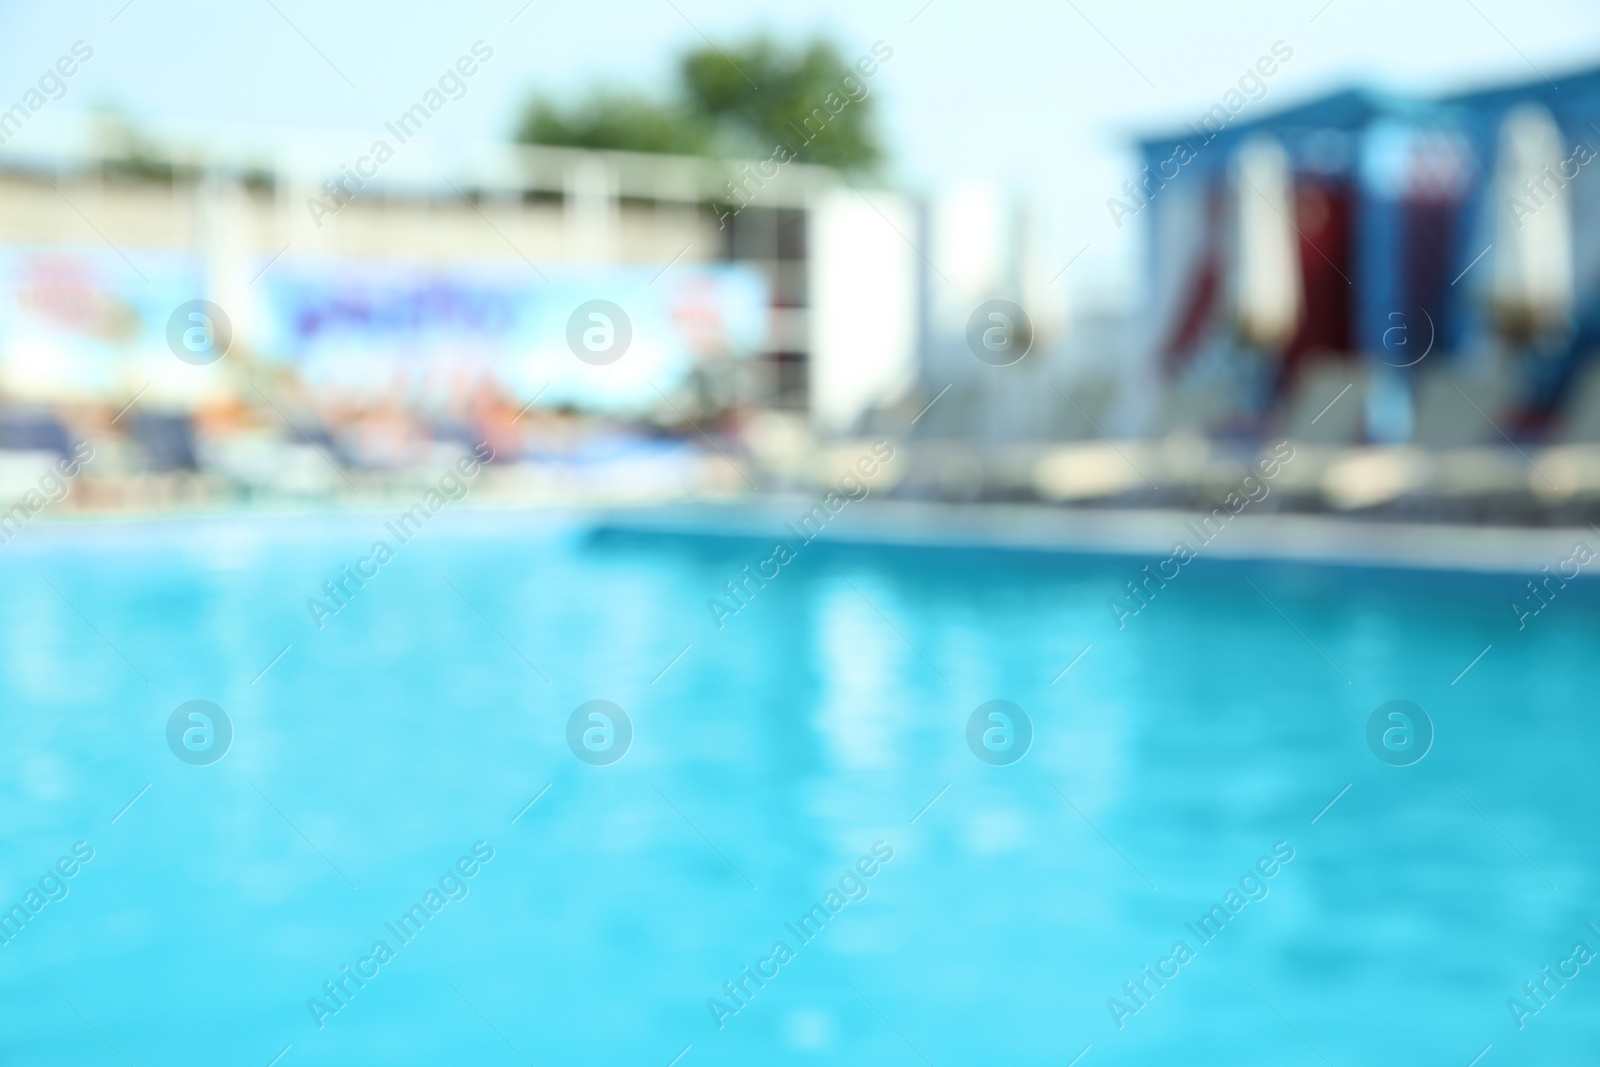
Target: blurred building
<point>442,261</point>
<point>372,302</point>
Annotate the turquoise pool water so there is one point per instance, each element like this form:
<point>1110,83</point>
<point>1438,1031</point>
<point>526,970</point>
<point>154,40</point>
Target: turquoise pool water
<point>817,742</point>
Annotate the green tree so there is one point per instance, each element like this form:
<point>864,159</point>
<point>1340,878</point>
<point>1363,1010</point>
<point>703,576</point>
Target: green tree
<point>762,96</point>
<point>742,101</point>
<point>608,119</point>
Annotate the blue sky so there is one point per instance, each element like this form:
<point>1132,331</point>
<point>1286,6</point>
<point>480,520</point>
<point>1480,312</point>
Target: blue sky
<point>1027,95</point>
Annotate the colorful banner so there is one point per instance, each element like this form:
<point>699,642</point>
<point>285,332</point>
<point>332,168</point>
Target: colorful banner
<point>86,323</point>
<point>375,329</point>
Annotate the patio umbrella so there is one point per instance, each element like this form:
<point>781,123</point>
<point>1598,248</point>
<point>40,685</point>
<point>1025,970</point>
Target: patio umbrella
<point>1532,279</point>
<point>1267,293</point>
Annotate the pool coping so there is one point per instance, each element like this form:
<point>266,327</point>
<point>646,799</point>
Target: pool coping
<point>1148,533</point>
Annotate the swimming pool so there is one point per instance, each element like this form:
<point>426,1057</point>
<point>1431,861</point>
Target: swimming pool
<point>426,772</point>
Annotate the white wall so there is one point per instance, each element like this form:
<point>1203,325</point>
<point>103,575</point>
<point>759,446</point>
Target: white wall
<point>863,289</point>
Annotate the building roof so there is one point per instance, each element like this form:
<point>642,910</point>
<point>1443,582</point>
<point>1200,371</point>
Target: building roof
<point>422,165</point>
<point>1357,107</point>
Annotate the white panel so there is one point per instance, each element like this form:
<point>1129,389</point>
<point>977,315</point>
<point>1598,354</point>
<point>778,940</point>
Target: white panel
<point>1039,268</point>
<point>967,244</point>
<point>863,284</point>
